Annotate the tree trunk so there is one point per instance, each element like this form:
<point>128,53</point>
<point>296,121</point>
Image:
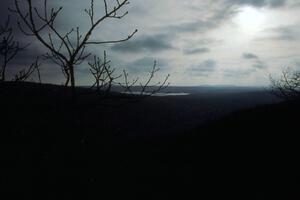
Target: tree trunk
<point>3,73</point>
<point>39,75</point>
<point>67,81</point>
<point>98,86</point>
<point>72,76</point>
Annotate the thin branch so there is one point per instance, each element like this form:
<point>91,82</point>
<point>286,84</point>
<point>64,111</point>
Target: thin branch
<point>287,86</point>
<point>65,49</point>
<point>147,88</point>
<point>24,74</point>
<point>9,47</point>
<point>114,41</point>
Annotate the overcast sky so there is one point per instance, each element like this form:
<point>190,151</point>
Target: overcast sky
<point>236,42</point>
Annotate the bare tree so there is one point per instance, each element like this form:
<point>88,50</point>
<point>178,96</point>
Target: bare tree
<point>24,74</point>
<point>103,74</point>
<point>105,77</point>
<point>70,51</point>
<point>288,85</point>
<point>147,88</point>
<point>9,48</point>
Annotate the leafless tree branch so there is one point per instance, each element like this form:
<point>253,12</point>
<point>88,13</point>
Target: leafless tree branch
<point>147,88</point>
<point>288,85</point>
<point>103,74</point>
<point>67,52</point>
<point>9,48</point>
<point>24,74</point>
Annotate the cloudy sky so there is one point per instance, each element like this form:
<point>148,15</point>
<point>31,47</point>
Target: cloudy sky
<point>212,42</point>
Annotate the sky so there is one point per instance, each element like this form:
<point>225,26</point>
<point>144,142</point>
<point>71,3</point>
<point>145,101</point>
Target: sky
<point>207,42</point>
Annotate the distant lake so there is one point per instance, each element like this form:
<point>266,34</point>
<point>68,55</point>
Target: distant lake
<point>161,94</point>
<point>192,90</point>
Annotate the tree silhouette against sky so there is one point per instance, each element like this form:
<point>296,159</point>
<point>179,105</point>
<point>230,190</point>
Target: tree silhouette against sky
<point>66,49</point>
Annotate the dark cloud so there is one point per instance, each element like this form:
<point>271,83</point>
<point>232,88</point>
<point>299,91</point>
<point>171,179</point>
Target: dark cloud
<point>281,33</point>
<point>259,3</point>
<point>203,69</point>
<point>5,4</point>
<point>203,25</point>
<point>27,55</point>
<point>191,26</point>
<point>153,43</point>
<point>277,3</point>
<point>290,33</point>
<point>206,41</point>
<point>33,49</point>
<point>197,51</point>
<point>145,65</point>
<point>250,56</point>
<point>256,3</point>
<point>234,73</point>
<point>259,65</point>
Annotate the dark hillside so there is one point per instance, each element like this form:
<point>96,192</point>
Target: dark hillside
<point>261,145</point>
<point>53,149</point>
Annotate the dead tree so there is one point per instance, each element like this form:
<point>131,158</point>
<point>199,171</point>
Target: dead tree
<point>103,74</point>
<point>288,85</point>
<point>24,74</point>
<point>147,88</point>
<point>106,77</point>
<point>9,48</point>
<point>68,52</point>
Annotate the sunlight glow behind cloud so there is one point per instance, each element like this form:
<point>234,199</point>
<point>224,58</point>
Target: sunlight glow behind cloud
<point>251,20</point>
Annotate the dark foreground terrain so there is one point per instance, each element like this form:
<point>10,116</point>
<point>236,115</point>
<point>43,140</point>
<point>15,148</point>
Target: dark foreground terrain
<point>55,148</point>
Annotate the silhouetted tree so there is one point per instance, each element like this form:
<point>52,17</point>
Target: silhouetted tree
<point>24,74</point>
<point>103,74</point>
<point>105,77</point>
<point>9,48</point>
<point>288,85</point>
<point>146,88</point>
<point>68,52</point>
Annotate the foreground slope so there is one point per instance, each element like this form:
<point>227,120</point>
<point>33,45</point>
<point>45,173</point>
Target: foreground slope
<point>54,149</point>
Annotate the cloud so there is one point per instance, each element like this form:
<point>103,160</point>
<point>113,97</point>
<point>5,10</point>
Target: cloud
<point>234,73</point>
<point>281,33</point>
<point>259,3</point>
<point>255,3</point>
<point>250,56</point>
<point>259,65</point>
<point>145,64</point>
<point>148,43</point>
<point>196,51</point>
<point>277,3</point>
<point>192,28</point>
<point>285,33</point>
<point>218,17</point>
<point>203,69</point>
<point>209,41</point>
